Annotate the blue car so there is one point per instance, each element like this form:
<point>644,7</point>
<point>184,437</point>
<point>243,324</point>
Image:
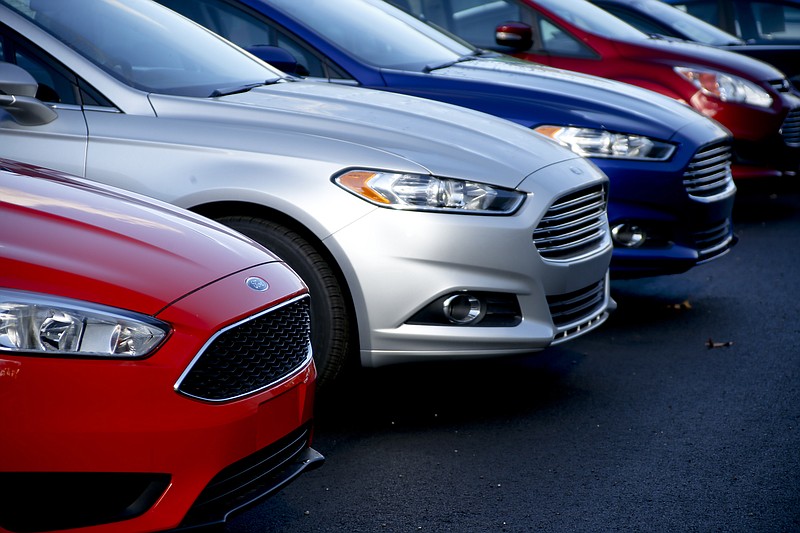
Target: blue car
<point>671,191</point>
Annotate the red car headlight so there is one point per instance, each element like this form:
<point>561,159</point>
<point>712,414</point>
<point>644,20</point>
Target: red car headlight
<point>726,87</point>
<point>47,325</point>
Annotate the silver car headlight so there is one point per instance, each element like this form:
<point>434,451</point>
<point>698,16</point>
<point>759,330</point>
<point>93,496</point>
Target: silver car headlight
<point>44,325</point>
<point>591,142</point>
<point>429,193</point>
<point>726,87</point>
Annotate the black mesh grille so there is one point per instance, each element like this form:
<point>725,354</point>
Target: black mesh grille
<point>251,355</point>
<point>709,173</point>
<point>790,130</point>
<point>574,225</point>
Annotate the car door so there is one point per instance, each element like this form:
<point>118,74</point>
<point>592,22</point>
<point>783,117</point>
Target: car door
<point>61,143</point>
<point>91,136</point>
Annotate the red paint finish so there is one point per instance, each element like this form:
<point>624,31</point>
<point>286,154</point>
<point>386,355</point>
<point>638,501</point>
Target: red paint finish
<point>67,238</point>
<point>650,63</point>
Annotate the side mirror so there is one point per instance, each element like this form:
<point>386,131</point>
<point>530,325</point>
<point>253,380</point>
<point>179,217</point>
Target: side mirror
<point>275,56</point>
<point>18,97</point>
<point>516,35</point>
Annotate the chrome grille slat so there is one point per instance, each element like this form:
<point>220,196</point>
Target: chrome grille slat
<point>593,208</point>
<point>595,196</point>
<point>574,225</point>
<point>704,159</point>
<point>548,244</point>
<point>708,176</point>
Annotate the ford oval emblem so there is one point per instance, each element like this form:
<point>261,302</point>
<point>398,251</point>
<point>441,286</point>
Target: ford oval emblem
<point>257,284</point>
<point>576,170</point>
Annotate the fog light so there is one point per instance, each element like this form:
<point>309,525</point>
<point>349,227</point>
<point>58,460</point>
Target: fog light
<point>462,308</point>
<point>628,235</point>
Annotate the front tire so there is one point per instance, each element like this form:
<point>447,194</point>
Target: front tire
<point>330,320</point>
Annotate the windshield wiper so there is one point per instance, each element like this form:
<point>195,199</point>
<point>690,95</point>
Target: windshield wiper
<point>475,54</point>
<point>227,91</point>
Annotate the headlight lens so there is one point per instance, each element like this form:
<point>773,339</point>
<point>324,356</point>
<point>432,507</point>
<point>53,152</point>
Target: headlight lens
<point>726,87</point>
<point>44,325</point>
<point>590,142</point>
<point>429,193</point>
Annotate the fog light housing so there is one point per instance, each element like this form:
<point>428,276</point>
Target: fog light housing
<point>462,309</point>
<point>470,309</point>
<point>628,235</point>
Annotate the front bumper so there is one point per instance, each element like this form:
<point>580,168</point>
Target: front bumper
<point>398,262</point>
<point>683,206</point>
<point>118,448</point>
<point>766,143</point>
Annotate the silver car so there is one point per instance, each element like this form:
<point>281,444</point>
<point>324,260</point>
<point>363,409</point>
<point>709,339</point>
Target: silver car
<point>424,231</point>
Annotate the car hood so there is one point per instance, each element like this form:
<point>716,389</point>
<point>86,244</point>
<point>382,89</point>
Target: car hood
<point>688,54</point>
<point>535,94</point>
<point>351,126</point>
<point>78,239</point>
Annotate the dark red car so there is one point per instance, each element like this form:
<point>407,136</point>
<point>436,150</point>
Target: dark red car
<point>155,367</point>
<point>749,97</point>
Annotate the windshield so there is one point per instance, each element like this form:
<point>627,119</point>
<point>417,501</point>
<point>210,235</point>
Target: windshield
<point>692,27</point>
<point>593,19</point>
<point>376,33</point>
<point>147,46</point>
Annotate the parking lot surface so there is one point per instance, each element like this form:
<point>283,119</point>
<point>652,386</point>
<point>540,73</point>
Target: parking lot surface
<point>682,413</point>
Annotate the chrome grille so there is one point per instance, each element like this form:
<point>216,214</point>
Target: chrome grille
<point>572,307</point>
<point>790,130</point>
<point>574,226</point>
<point>578,311</point>
<point>708,175</point>
<point>714,240</point>
<point>251,355</point>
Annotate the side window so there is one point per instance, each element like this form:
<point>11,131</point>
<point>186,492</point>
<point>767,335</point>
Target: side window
<point>57,84</point>
<point>645,24</point>
<point>310,63</point>
<point>558,42</point>
<point>703,9</point>
<point>247,29</point>
<point>776,21</point>
<point>475,20</point>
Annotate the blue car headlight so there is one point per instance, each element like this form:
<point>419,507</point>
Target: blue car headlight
<point>428,193</point>
<point>592,142</point>
<point>39,324</point>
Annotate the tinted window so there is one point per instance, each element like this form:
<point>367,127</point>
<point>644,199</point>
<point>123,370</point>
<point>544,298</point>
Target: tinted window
<point>375,32</point>
<point>247,29</point>
<point>145,45</point>
<point>774,21</point>
<point>591,18</point>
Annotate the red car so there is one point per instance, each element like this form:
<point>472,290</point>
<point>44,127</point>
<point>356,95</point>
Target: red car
<point>155,367</point>
<point>749,97</point>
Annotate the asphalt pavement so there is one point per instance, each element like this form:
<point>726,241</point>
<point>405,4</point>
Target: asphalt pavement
<point>681,413</point>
